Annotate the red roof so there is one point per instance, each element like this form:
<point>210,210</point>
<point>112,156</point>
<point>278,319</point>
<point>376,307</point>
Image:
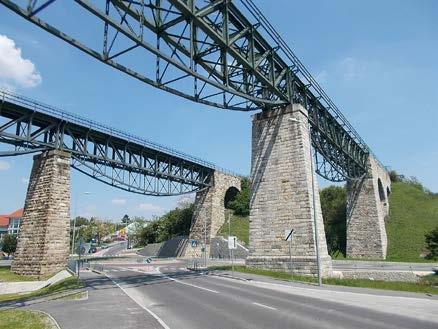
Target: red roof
<point>16,214</point>
<point>4,221</point>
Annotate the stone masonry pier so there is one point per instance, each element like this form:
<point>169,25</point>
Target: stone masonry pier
<point>209,212</point>
<point>282,194</point>
<point>43,241</point>
<point>367,207</point>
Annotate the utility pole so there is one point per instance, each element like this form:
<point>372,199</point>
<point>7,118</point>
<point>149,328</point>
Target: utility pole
<point>205,241</point>
<point>74,221</point>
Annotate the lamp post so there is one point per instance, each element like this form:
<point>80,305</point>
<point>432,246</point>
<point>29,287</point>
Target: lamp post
<point>315,222</point>
<point>74,221</point>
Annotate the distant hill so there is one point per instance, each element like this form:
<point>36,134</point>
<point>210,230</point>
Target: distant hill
<point>413,211</point>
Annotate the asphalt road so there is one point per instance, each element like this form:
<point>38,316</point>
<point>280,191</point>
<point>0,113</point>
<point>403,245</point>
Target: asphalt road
<point>115,249</point>
<point>183,299</point>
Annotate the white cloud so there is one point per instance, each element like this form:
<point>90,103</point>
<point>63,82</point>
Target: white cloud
<point>25,180</point>
<point>148,207</point>
<point>4,165</point>
<point>321,77</point>
<point>118,202</point>
<point>14,69</point>
<point>352,68</point>
<point>185,200</point>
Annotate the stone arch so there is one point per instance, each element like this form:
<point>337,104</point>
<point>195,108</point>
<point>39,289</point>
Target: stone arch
<point>382,195</point>
<point>209,209</point>
<point>230,195</point>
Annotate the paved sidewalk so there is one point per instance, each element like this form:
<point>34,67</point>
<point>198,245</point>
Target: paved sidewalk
<point>107,307</point>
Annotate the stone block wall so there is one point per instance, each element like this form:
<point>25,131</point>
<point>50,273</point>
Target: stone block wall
<point>367,208</point>
<point>43,240</point>
<point>209,213</point>
<point>282,194</point>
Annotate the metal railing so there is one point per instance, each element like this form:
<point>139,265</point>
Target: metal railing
<point>37,106</point>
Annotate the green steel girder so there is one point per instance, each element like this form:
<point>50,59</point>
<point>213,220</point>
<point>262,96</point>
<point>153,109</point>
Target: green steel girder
<point>214,53</point>
<point>103,153</point>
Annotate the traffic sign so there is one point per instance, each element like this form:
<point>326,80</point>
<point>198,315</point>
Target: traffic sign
<point>232,242</point>
<point>194,243</point>
<point>288,234</point>
<point>149,260</point>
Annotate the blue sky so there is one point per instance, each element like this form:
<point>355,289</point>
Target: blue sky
<point>376,59</point>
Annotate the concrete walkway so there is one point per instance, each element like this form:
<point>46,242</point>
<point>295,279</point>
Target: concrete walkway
<point>29,286</point>
<point>107,307</point>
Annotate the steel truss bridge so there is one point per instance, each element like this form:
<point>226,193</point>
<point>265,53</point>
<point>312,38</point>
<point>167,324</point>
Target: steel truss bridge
<point>221,53</point>
<point>101,152</point>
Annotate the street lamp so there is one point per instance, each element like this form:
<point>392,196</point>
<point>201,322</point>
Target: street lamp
<point>315,222</point>
<point>74,220</point>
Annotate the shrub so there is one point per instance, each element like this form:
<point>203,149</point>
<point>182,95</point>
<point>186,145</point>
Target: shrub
<point>9,244</point>
<point>432,243</point>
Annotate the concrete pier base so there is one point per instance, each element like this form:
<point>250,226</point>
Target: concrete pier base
<point>43,240</point>
<point>282,195</point>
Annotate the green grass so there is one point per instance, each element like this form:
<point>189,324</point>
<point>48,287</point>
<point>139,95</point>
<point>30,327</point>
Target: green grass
<point>426,285</point>
<point>413,213</point>
<point>239,227</point>
<point>13,319</point>
<point>7,276</point>
<point>64,285</point>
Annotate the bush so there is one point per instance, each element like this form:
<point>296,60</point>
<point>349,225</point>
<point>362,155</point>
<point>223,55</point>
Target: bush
<point>333,204</point>
<point>432,243</point>
<point>395,178</point>
<point>174,223</point>
<point>240,204</point>
<point>9,244</point>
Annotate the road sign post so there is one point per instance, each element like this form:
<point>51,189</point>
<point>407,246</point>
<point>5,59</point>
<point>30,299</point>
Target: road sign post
<point>232,245</point>
<point>288,235</point>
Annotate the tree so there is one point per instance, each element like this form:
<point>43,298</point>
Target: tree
<point>174,223</point>
<point>9,244</point>
<point>240,204</point>
<point>432,243</point>
<point>333,204</point>
<point>125,219</point>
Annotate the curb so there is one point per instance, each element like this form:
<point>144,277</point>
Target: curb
<point>49,316</point>
<point>42,299</point>
<point>229,276</point>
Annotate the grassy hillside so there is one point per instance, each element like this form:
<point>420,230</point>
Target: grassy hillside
<point>239,227</point>
<point>413,212</point>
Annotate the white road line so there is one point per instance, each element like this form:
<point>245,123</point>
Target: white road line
<point>265,306</point>
<point>185,283</point>
<point>160,321</point>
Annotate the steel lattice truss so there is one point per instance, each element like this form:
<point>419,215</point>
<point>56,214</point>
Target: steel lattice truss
<point>103,153</point>
<point>209,51</point>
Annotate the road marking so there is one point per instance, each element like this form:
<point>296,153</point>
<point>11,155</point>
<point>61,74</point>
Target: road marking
<point>156,317</point>
<point>265,306</point>
<point>185,283</point>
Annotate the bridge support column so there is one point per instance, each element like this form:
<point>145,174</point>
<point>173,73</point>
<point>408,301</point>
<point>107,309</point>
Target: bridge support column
<point>367,207</point>
<point>209,212</point>
<point>43,240</point>
<point>282,195</point>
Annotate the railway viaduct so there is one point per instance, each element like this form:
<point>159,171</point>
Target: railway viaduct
<point>219,53</point>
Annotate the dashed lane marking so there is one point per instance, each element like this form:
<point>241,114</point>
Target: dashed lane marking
<point>265,306</point>
<point>185,283</point>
